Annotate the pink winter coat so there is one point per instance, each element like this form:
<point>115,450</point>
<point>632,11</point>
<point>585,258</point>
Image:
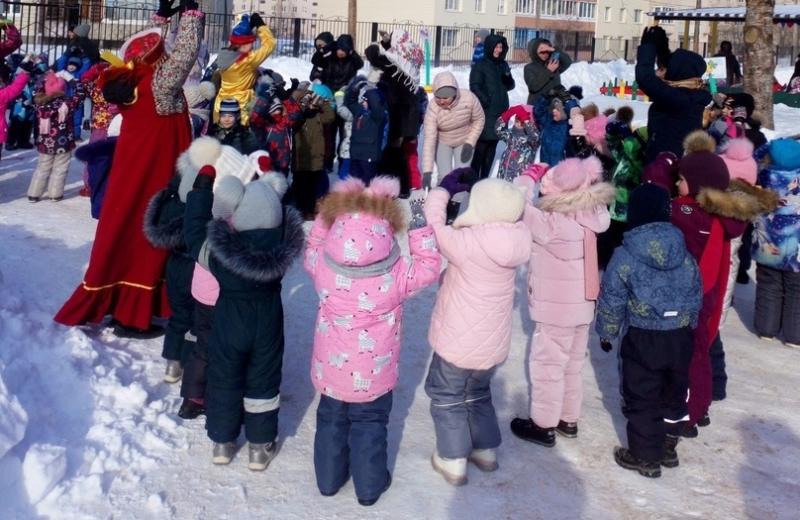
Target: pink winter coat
<point>471,322</point>
<point>461,122</point>
<point>557,274</point>
<point>7,95</point>
<point>357,336</point>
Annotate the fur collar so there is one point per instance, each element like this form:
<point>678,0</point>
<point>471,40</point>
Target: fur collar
<point>341,203</point>
<point>43,99</point>
<point>767,199</point>
<point>599,194</point>
<point>244,260</point>
<point>733,204</point>
<point>163,235</point>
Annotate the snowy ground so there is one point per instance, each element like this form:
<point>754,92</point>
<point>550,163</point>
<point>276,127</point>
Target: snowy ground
<point>87,430</point>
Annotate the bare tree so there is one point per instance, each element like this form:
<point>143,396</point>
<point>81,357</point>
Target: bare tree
<point>352,17</point>
<point>759,56</point>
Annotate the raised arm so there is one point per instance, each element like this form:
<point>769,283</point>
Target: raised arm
<point>171,75</point>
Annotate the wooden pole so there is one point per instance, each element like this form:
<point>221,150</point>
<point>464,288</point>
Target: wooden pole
<point>685,34</point>
<point>712,38</point>
<point>352,17</point>
<point>696,46</point>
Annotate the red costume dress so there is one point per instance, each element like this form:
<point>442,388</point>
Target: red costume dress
<point>125,277</point>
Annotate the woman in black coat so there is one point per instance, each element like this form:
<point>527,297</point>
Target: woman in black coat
<point>490,80</point>
<point>678,100</point>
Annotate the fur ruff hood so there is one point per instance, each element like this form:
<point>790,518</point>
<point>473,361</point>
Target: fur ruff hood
<point>239,257</point>
<point>599,194</point>
<point>163,235</point>
<point>350,196</point>
<point>739,202</point>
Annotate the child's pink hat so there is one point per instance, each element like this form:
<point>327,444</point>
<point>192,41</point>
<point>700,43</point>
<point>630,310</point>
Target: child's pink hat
<point>54,85</point>
<point>572,175</point>
<point>596,129</point>
<point>738,156</point>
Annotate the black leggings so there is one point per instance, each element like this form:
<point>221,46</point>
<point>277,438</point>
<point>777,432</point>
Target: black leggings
<point>483,158</point>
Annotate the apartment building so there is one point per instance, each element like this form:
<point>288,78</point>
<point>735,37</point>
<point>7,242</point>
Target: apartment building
<point>569,24</point>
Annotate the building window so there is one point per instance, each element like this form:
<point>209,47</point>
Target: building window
<point>637,16</point>
<point>501,6</point>
<point>608,15</point>
<point>449,37</point>
<point>452,5</point>
<point>480,6</point>
<point>525,6</point>
<point>623,14</point>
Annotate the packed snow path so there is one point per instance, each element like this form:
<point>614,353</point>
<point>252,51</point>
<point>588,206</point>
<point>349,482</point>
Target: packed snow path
<point>88,430</point>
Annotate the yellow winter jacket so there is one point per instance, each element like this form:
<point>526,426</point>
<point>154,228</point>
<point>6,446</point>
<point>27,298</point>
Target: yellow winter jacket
<point>239,79</point>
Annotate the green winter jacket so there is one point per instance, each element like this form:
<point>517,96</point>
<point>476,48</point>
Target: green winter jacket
<point>490,80</point>
<point>628,153</point>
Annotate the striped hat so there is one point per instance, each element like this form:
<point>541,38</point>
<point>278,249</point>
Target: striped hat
<point>230,106</point>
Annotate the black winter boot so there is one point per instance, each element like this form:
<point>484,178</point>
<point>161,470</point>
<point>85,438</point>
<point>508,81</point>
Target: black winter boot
<point>670,459</point>
<point>567,429</point>
<point>529,431</point>
<point>191,409</point>
<point>704,421</point>
<point>625,458</point>
<point>366,502</point>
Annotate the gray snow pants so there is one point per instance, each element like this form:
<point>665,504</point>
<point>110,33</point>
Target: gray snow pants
<point>448,158</point>
<point>462,410</point>
<point>50,175</point>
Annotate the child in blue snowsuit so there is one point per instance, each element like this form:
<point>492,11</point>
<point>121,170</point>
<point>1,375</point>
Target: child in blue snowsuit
<point>551,115</point>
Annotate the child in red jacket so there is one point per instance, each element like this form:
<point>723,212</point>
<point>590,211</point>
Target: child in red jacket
<point>709,215</point>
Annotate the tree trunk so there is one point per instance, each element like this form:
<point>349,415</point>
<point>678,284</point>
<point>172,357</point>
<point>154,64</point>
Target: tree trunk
<point>352,18</point>
<point>759,56</point>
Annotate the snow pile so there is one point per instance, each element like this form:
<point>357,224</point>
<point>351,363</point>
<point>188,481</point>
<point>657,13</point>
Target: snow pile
<point>79,414</point>
<point>13,419</point>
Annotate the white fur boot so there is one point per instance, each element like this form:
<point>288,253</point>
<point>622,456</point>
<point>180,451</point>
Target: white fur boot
<point>486,460</point>
<point>454,471</point>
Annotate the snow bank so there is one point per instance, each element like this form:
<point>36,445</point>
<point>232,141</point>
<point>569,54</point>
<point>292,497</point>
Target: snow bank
<point>13,419</point>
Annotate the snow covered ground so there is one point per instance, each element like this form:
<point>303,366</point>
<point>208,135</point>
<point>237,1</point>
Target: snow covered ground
<point>88,430</point>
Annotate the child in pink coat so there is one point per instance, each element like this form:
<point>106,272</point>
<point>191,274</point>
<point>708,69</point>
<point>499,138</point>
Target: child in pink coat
<point>563,285</point>
<point>470,328</point>
<point>362,280</point>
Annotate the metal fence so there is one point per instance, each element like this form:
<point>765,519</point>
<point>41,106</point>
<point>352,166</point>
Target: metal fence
<point>44,26</point>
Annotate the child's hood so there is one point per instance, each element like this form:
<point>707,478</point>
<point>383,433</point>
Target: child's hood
<point>507,245</point>
<point>659,245</point>
<point>785,154</point>
<point>362,222</point>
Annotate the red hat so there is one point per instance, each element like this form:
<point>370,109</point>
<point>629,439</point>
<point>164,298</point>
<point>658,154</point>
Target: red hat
<point>146,46</point>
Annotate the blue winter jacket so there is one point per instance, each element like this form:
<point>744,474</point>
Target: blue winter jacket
<point>554,134</point>
<point>776,238</point>
<point>652,283</point>
<point>366,139</point>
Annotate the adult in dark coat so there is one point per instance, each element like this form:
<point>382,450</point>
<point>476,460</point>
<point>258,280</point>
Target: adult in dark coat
<point>678,100</point>
<point>490,80</point>
<point>79,37</point>
<point>324,47</point>
<point>341,65</point>
<point>733,70</point>
<point>543,73</point>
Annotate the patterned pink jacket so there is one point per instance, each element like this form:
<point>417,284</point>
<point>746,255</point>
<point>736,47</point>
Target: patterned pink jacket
<point>362,281</point>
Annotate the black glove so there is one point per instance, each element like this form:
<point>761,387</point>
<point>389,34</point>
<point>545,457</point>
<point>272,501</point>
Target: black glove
<point>605,345</point>
<point>658,38</point>
<point>466,152</point>
<point>256,21</point>
<point>375,58</point>
<point>165,9</point>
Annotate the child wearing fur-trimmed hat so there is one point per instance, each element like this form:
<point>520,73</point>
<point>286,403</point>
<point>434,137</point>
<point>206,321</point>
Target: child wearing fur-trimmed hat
<point>248,241</point>
<point>362,281</point>
<point>518,130</point>
<point>470,329</point>
<point>563,285</point>
<point>710,215</point>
